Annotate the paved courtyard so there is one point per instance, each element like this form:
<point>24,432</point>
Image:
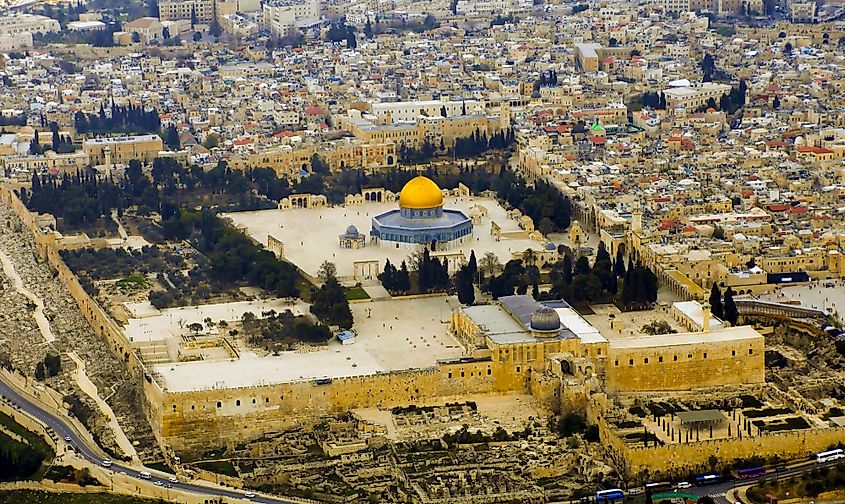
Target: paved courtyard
<point>391,335</point>
<point>815,295</point>
<point>310,236</point>
<point>154,325</point>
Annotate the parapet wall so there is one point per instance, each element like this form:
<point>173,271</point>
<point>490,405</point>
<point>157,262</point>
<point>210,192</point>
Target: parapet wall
<point>194,421</point>
<point>685,367</point>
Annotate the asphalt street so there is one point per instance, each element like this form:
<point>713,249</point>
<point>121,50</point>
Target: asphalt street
<point>95,455</point>
<point>718,491</point>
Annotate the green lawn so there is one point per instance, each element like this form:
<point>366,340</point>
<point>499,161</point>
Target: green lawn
<point>41,497</point>
<point>353,293</point>
<point>22,460</point>
<point>304,287</point>
<point>33,439</point>
<point>220,467</point>
<point>161,466</point>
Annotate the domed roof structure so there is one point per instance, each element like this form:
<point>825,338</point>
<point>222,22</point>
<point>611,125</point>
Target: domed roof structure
<point>545,319</point>
<point>352,230</point>
<point>420,193</point>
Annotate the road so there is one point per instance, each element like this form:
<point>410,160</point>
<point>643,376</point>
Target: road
<point>718,492</point>
<point>94,454</point>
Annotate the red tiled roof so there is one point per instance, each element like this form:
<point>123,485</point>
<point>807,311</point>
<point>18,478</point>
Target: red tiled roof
<point>814,150</point>
<point>798,210</point>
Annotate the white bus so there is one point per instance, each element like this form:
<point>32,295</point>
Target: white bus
<point>827,456</point>
<point>145,475</point>
<point>609,495</point>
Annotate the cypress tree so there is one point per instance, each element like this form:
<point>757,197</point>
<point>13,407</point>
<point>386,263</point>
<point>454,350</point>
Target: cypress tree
<point>34,145</point>
<point>464,287</point>
<point>567,269</point>
<point>716,301</point>
<point>472,265</point>
<point>731,312</point>
<point>424,273</point>
<point>54,128</point>
<point>388,277</point>
<point>619,265</point>
<point>403,279</point>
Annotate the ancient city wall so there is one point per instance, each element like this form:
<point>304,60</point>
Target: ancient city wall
<point>694,457</point>
<point>97,318</point>
<point>683,367</point>
<point>681,459</point>
<point>196,420</point>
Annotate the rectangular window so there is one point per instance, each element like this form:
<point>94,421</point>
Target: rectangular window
<point>631,362</point>
<point>660,359</point>
<point>645,361</point>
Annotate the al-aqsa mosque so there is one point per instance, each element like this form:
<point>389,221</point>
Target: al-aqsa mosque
<point>421,219</point>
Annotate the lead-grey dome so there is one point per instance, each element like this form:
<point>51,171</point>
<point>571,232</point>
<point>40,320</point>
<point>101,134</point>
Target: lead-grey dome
<point>545,319</point>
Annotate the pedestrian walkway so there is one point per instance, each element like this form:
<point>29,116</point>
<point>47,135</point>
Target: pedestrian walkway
<point>90,389</point>
<point>38,313</point>
<point>122,232</point>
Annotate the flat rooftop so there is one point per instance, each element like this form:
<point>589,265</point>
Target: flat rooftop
<point>695,312</point>
<point>310,235</point>
<point>504,328</point>
<point>688,338</point>
<point>122,139</point>
<point>392,335</point>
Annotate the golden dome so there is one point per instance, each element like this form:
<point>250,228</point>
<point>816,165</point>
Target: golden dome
<point>419,193</point>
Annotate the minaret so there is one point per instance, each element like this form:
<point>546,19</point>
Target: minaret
<point>636,218</point>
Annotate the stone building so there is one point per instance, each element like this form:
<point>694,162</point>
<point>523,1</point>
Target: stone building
<point>107,151</point>
<point>174,10</point>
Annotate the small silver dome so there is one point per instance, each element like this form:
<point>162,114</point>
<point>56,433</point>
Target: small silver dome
<point>352,230</point>
<point>545,319</point>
